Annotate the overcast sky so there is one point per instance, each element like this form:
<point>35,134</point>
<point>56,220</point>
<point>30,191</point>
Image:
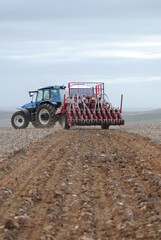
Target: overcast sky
<point>53,42</point>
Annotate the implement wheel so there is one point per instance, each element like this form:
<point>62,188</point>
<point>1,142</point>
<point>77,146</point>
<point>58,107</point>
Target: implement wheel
<point>65,123</point>
<point>105,126</point>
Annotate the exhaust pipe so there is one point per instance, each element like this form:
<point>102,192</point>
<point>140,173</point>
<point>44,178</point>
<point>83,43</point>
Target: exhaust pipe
<point>121,103</point>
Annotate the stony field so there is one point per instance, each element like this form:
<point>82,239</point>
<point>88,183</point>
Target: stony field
<point>82,184</point>
<point>146,129</point>
<point>13,140</point>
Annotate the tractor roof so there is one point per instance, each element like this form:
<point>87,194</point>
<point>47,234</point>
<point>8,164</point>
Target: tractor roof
<point>52,87</point>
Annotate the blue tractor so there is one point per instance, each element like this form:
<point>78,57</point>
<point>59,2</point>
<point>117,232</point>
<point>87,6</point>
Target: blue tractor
<point>41,110</point>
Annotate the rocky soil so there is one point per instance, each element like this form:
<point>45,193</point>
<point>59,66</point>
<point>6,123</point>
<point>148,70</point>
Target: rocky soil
<point>12,140</point>
<point>82,184</point>
<point>151,129</point>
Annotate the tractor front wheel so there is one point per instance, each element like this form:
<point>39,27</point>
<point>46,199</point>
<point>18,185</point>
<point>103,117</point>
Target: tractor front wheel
<point>19,120</point>
<point>45,116</point>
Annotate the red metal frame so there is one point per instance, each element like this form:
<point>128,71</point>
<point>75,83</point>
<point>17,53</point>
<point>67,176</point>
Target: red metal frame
<point>98,87</point>
<point>90,110</point>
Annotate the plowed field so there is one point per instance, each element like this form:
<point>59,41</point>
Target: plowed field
<point>82,184</point>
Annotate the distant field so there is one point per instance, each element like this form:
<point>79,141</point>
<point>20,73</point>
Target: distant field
<point>5,115</point>
<point>142,116</point>
<point>5,123</point>
<point>5,118</point>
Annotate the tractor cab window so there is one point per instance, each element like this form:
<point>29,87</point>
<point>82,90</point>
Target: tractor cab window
<point>55,95</point>
<point>62,92</point>
<point>39,95</point>
<point>34,96</point>
<point>46,94</point>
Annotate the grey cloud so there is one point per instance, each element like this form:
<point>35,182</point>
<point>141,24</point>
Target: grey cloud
<point>33,30</point>
<point>70,30</point>
<point>62,9</point>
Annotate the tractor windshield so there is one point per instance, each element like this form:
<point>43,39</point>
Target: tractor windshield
<point>57,95</point>
<point>46,94</point>
<point>39,95</point>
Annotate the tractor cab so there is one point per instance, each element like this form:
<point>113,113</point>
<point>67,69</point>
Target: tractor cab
<point>52,94</point>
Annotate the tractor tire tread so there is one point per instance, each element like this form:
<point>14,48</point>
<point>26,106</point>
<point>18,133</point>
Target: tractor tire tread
<point>51,110</point>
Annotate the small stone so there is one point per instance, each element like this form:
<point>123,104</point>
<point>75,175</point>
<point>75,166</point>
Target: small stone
<point>74,195</point>
<point>1,227</point>
<point>76,227</point>
<point>119,226</point>
<point>109,222</point>
<point>149,225</point>
<point>22,217</point>
<point>30,192</point>
<point>103,155</point>
<point>143,209</point>
<point>121,203</point>
<point>8,191</point>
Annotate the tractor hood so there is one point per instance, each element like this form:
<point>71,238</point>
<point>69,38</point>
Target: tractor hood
<point>29,105</point>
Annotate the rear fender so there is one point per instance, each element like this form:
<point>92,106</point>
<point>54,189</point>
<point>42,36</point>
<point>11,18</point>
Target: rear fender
<point>26,113</point>
<point>49,102</point>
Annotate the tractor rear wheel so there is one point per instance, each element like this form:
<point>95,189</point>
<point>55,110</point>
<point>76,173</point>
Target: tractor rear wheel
<point>45,116</point>
<point>19,120</point>
<point>65,123</point>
